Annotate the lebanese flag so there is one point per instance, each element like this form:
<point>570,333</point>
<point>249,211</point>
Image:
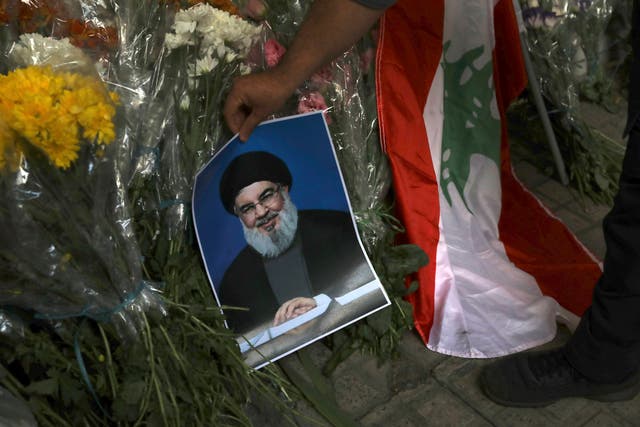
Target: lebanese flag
<point>502,270</point>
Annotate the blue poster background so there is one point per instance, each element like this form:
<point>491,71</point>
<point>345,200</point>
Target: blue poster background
<point>304,144</point>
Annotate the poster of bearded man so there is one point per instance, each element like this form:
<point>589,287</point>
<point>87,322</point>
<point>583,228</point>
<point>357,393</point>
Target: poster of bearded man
<point>279,240</point>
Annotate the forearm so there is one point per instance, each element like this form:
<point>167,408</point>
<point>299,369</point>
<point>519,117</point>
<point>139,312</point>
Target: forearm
<point>330,28</point>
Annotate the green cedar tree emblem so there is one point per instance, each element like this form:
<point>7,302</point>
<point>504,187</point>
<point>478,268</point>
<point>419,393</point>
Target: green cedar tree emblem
<point>470,124</point>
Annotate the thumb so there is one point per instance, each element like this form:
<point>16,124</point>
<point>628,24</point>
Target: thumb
<point>249,125</point>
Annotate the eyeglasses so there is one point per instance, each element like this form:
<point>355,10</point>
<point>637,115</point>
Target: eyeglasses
<point>267,200</point>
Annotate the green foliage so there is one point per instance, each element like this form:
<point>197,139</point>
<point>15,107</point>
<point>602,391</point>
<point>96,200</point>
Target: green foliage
<point>593,161</point>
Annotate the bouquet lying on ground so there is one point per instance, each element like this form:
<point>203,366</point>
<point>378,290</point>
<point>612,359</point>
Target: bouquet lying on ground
<point>67,248</point>
<point>182,368</point>
<point>565,41</point>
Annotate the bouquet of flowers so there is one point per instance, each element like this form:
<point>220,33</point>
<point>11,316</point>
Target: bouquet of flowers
<point>67,247</point>
<point>564,39</point>
<point>84,372</point>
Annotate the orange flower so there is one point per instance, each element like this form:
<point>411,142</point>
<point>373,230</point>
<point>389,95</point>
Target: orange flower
<point>40,15</point>
<point>7,11</point>
<point>86,35</point>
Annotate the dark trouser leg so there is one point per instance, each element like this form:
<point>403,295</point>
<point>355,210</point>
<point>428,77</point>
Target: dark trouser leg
<point>606,345</point>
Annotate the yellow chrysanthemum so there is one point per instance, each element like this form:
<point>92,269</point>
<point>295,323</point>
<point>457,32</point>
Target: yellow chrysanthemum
<point>56,112</point>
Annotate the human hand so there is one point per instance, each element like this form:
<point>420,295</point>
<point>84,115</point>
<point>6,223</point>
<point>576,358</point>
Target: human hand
<point>253,98</point>
<point>292,309</point>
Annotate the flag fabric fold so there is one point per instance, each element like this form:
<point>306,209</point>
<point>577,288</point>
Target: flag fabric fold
<point>502,269</point>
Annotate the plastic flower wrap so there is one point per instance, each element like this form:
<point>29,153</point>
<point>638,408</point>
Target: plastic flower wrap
<point>67,245</point>
<point>205,49</point>
<point>565,39</point>
<point>81,21</point>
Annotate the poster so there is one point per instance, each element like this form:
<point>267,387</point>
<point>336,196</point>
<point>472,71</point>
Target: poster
<point>279,241</point>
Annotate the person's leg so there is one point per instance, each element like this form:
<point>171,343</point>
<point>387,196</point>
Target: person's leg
<point>602,359</point>
<point>606,345</point>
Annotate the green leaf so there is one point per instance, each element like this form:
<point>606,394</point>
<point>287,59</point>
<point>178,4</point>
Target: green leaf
<point>124,411</point>
<point>132,392</point>
<point>48,387</point>
<point>413,286</point>
<point>380,321</point>
<point>402,260</point>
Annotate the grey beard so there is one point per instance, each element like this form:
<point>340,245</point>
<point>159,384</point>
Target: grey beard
<point>281,238</point>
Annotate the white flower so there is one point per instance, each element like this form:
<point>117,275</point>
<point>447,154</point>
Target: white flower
<point>184,102</point>
<point>214,28</point>
<point>34,49</point>
<point>205,65</point>
<point>230,56</point>
<point>174,41</point>
<point>184,27</point>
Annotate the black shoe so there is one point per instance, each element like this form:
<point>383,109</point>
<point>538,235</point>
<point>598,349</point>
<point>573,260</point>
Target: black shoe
<point>541,378</point>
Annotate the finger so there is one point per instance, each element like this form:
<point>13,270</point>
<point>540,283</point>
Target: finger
<point>235,113</point>
<point>249,125</point>
<point>291,308</point>
<point>281,314</point>
<point>278,318</point>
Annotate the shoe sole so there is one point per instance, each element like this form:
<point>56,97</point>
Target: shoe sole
<point>510,403</point>
<point>617,396</point>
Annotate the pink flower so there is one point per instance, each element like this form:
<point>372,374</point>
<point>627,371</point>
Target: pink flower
<point>365,60</point>
<point>273,52</point>
<point>254,9</point>
<point>313,101</point>
<point>322,76</point>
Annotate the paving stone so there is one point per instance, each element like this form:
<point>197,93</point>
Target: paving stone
<point>442,408</point>
<point>573,221</point>
<point>554,191</point>
<point>610,124</point>
<point>461,377</point>
<point>430,404</point>
<point>529,175</point>
<point>318,352</point>
<point>595,212</point>
<point>400,406</point>
<point>607,419</point>
<point>415,363</point>
<point>573,411</point>
<point>593,239</point>
<point>402,421</point>
<point>401,417</point>
<point>550,204</point>
<point>522,417</point>
<point>361,384</point>
<point>629,410</point>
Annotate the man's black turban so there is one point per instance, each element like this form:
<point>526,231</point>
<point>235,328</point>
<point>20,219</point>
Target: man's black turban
<point>248,168</point>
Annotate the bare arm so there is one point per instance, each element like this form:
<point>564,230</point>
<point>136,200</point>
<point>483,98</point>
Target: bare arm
<point>330,28</point>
